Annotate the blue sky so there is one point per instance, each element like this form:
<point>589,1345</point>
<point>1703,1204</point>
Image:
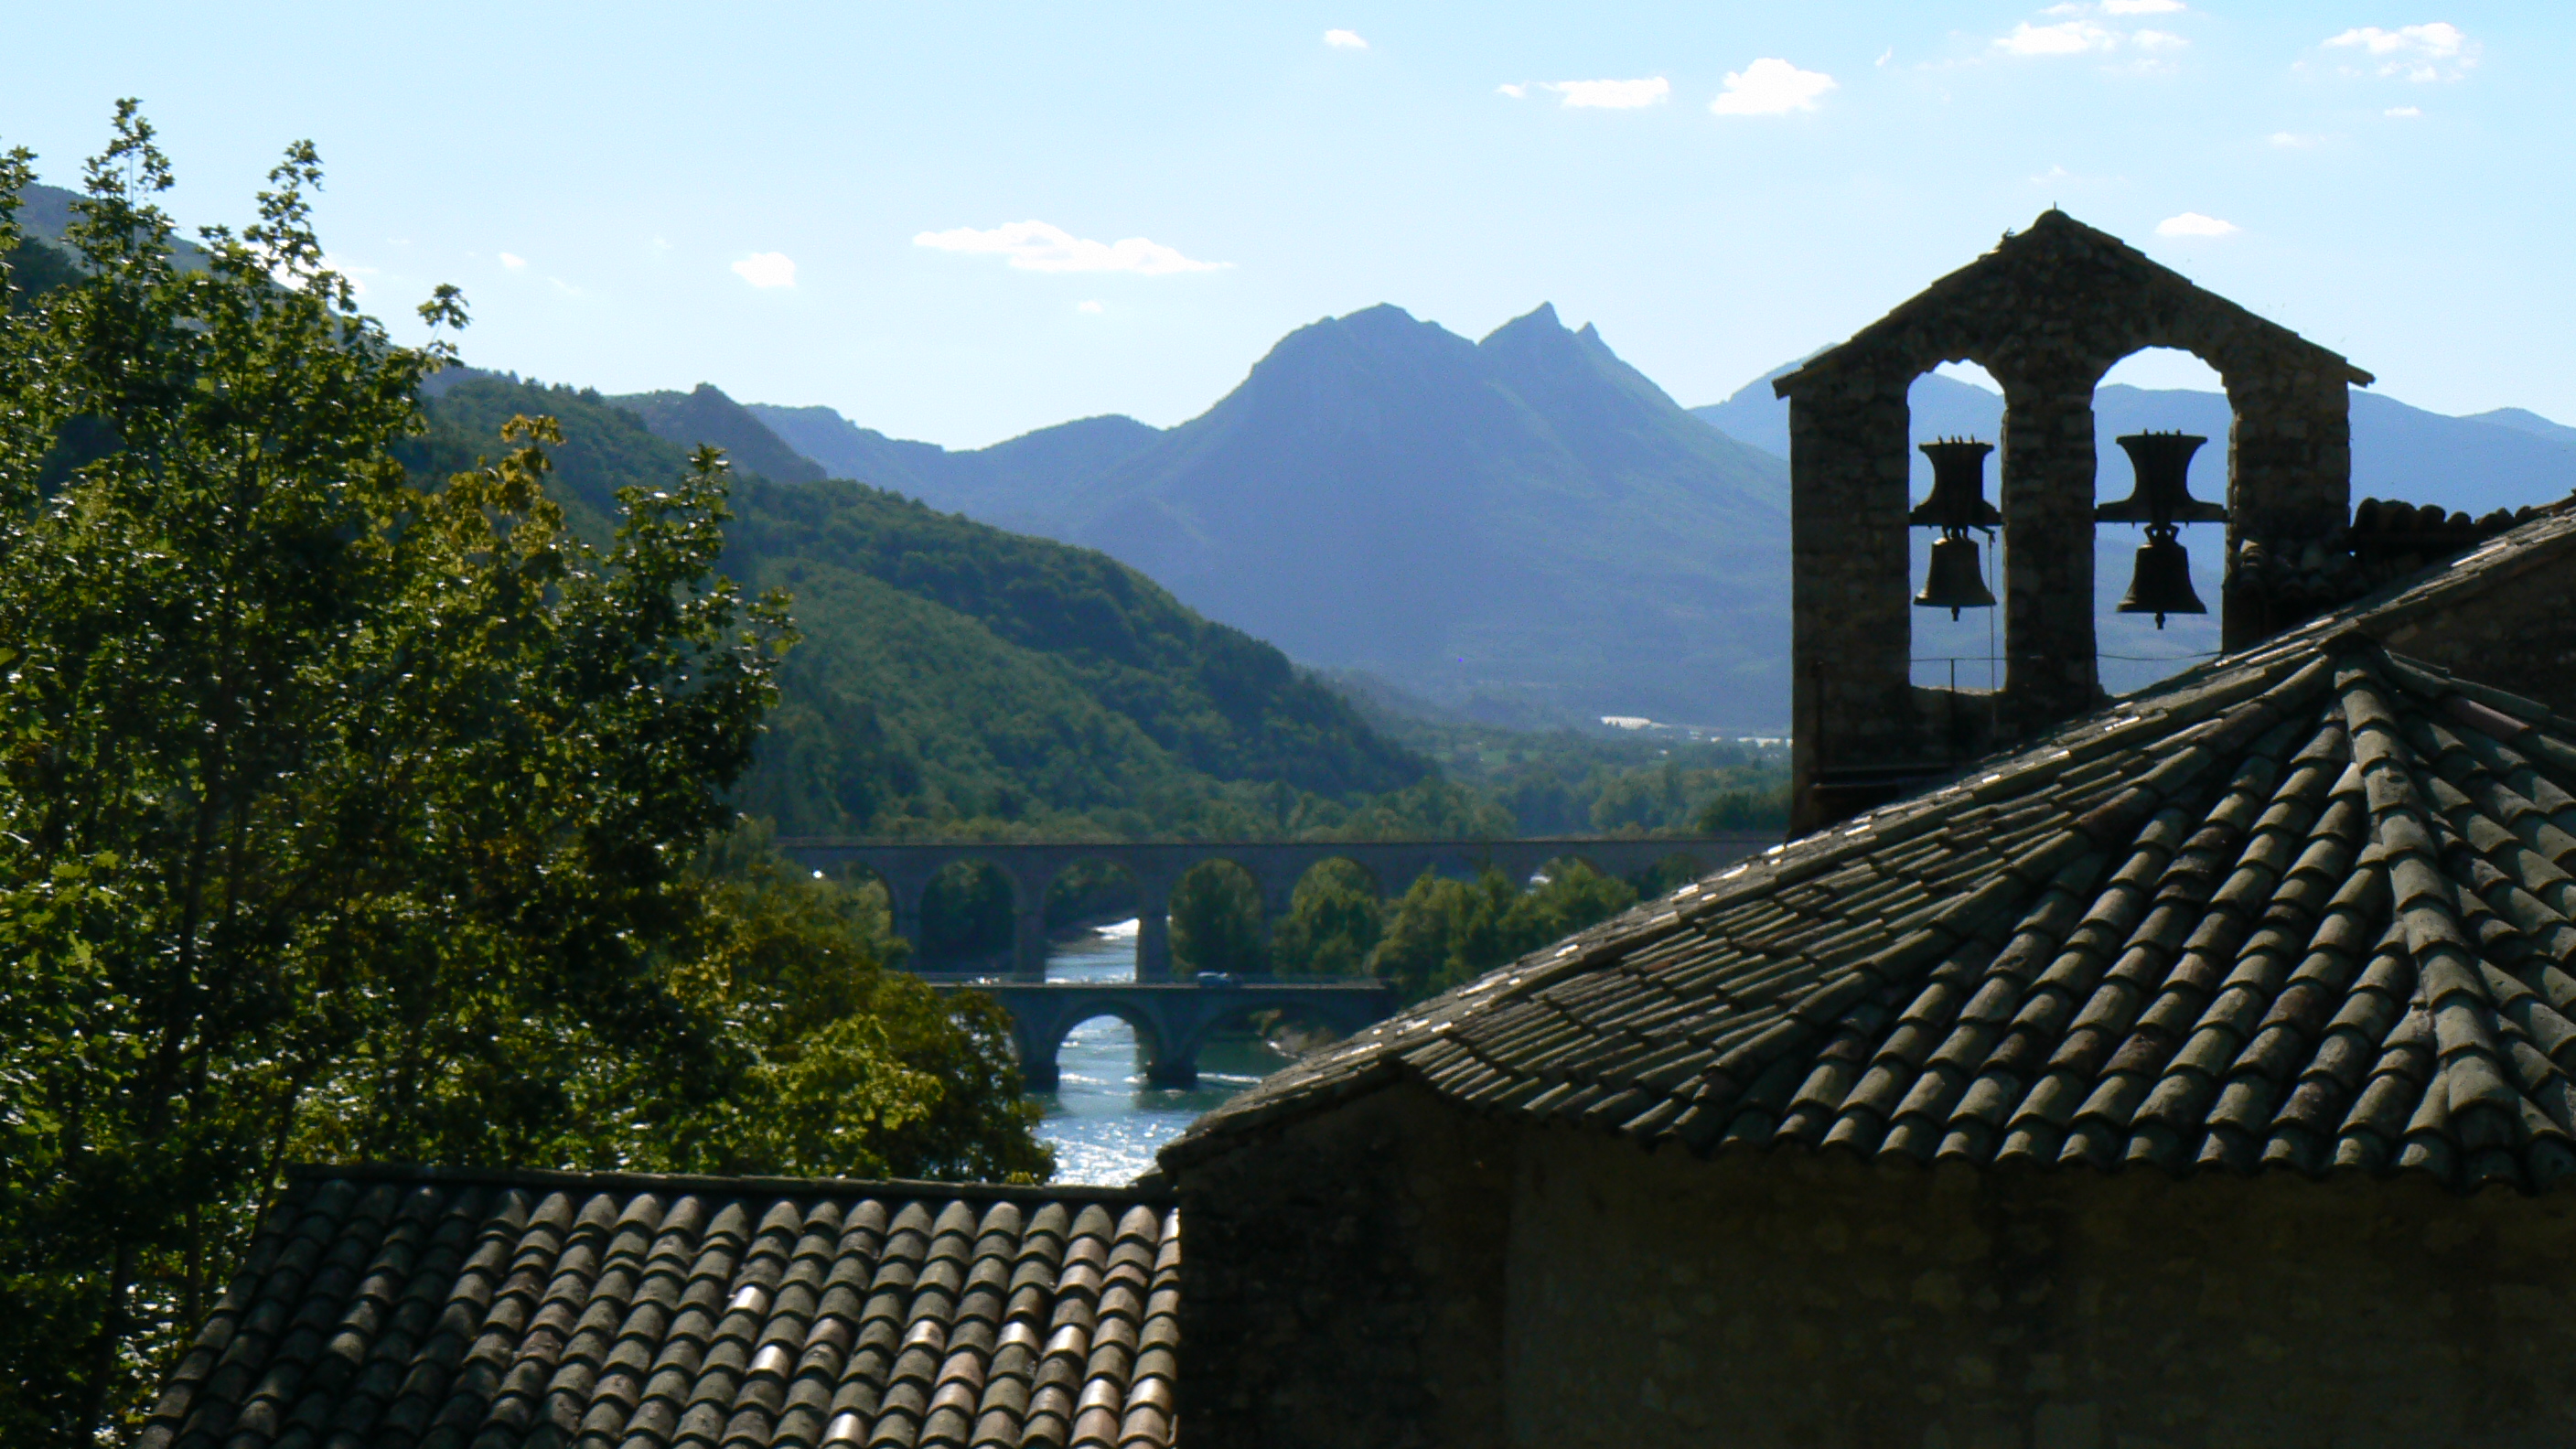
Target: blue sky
<point>958,222</point>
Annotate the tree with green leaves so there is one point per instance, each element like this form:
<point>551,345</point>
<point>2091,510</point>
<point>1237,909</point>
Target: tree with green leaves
<point>1446,933</point>
<point>344,814</point>
<point>1334,920</point>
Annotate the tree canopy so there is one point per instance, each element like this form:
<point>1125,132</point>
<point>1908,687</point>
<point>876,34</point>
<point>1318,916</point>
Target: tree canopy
<point>350,813</point>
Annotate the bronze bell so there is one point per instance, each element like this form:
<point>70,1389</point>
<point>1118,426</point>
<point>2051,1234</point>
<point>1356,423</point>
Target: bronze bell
<point>1958,488</point>
<point>1958,503</point>
<point>2162,493</point>
<point>2162,583</point>
<point>1954,581</point>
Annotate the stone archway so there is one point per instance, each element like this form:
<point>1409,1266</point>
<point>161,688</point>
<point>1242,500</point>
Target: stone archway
<point>1040,1041</point>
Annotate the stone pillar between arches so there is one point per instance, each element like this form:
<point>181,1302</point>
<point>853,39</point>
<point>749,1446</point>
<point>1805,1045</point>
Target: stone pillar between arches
<point>2047,503</point>
<point>1153,928</point>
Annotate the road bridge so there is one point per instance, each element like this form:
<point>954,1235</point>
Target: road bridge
<point>1029,867</point>
<point>1172,1020</point>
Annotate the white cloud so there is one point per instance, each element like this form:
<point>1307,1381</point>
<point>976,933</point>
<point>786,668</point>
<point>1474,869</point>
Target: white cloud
<point>1515,92</point>
<point>347,271</point>
<point>351,272</point>
<point>2067,37</point>
<point>2142,7</point>
<point>1885,56</point>
<point>1092,307</point>
<point>2418,52</point>
<point>513,263</point>
<point>2079,36</point>
<point>1344,40</point>
<point>2404,112</point>
<point>2292,140</point>
<point>1034,246</point>
<point>2192,223</point>
<point>1770,87</point>
<point>1611,95</point>
<point>767,269</point>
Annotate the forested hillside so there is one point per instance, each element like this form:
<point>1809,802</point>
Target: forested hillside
<point>957,677</point>
<point>705,415</point>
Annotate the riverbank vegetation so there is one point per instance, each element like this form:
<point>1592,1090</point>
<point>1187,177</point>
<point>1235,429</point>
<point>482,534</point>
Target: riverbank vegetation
<point>353,811</point>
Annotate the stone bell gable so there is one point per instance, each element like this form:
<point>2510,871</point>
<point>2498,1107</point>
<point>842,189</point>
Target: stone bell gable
<point>2047,313</point>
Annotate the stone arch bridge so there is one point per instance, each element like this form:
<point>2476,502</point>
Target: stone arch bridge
<point>1172,1021</point>
<point>1157,866</point>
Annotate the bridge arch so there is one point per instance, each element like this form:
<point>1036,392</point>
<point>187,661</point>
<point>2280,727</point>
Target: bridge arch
<point>1333,917</point>
<point>1040,1041</point>
<point>1350,864</point>
<point>1090,885</point>
<point>1220,918</point>
<point>967,907</point>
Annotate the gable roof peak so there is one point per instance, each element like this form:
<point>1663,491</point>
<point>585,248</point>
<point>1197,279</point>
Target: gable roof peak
<point>2060,287</point>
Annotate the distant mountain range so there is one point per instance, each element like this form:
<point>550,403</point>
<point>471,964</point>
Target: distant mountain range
<point>1524,528</point>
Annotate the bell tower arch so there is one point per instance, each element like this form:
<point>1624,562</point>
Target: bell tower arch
<point>2046,314</point>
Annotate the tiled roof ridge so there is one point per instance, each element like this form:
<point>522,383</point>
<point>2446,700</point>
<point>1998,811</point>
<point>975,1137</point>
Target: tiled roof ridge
<point>1150,1192</point>
<point>2523,547</point>
<point>2308,910</point>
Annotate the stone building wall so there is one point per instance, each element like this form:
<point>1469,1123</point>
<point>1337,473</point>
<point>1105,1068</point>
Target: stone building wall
<point>2514,630</point>
<point>1817,1302</point>
<point>1342,1283</point>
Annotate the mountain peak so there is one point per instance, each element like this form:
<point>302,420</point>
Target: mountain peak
<point>1539,321</point>
<point>704,414</point>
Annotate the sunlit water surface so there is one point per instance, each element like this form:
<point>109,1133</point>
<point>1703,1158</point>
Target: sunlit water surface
<point>1105,1123</point>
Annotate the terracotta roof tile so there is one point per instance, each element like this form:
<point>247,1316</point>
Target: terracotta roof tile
<point>420,1307</point>
<point>2308,908</point>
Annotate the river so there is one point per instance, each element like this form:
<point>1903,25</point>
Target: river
<point>1104,1122</point>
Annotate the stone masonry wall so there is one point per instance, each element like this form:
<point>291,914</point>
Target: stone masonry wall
<point>1819,1303</point>
<point>1851,633</point>
<point>2517,635</point>
<point>1341,1283</point>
